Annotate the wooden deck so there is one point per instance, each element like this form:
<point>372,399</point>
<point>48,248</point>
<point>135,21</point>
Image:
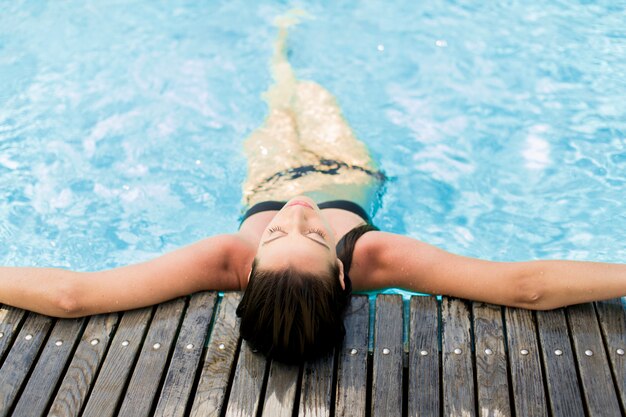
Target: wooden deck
<point>449,357</point>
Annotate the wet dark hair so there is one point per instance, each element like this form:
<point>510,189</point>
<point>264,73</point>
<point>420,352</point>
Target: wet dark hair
<point>293,316</point>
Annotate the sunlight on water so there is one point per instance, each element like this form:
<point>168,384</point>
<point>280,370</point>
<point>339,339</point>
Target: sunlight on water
<point>501,126</point>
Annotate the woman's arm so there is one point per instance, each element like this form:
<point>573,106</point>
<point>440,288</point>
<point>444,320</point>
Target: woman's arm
<point>397,261</point>
<point>212,263</point>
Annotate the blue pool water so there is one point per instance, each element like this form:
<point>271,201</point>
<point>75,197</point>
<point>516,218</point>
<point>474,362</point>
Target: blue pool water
<point>502,126</point>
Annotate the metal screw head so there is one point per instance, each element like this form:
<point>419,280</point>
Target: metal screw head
<point>353,352</point>
<point>524,352</point>
<point>457,351</point>
<point>189,346</point>
<point>125,343</point>
<point>58,342</point>
<point>94,342</point>
<point>28,337</point>
<point>488,351</point>
<point>156,346</point>
<point>222,346</point>
<point>424,352</point>
<point>620,352</point>
<point>558,352</point>
<point>589,352</point>
<point>386,351</point>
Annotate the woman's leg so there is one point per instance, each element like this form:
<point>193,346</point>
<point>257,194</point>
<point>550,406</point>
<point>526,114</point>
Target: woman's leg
<point>275,146</point>
<point>272,148</point>
<point>304,125</point>
<point>323,130</point>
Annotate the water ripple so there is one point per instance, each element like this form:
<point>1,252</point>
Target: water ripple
<point>503,125</point>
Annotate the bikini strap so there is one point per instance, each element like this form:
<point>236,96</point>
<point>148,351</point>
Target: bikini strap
<point>345,246</point>
<point>260,207</point>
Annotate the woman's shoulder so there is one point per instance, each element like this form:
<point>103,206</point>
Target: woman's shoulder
<point>240,254</point>
<point>368,242</point>
<point>366,258</point>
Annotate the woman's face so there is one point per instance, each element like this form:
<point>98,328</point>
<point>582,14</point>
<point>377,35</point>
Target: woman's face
<point>299,236</point>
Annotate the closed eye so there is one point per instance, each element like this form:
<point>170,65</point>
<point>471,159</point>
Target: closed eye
<point>275,229</point>
<point>319,232</point>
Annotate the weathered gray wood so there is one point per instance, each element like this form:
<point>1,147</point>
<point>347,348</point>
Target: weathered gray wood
<point>219,362</point>
<point>352,366</point>
<point>50,365</point>
<point>82,370</point>
<point>527,379</point>
<point>315,397</point>
<point>247,383</point>
<point>424,378</point>
<point>593,366</point>
<point>458,374</point>
<point>559,365</point>
<point>612,315</point>
<point>564,399</point>
<point>149,369</point>
<point>10,320</point>
<point>388,351</point>
<point>491,367</point>
<point>184,364</point>
<point>21,357</point>
<point>280,395</point>
<point>118,364</point>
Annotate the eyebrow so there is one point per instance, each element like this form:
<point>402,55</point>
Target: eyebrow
<point>310,238</point>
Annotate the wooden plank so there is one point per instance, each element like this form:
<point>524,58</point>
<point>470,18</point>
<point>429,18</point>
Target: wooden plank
<point>559,365</point>
<point>150,366</point>
<point>118,364</point>
<point>82,370</point>
<point>424,378</point>
<point>218,362</point>
<point>593,366</point>
<point>492,383</point>
<point>388,350</point>
<point>10,320</point>
<point>316,393</point>
<point>352,365</point>
<point>612,316</point>
<point>527,379</point>
<point>21,357</point>
<point>280,396</point>
<point>458,374</point>
<point>186,358</point>
<point>247,383</point>
<point>50,366</point>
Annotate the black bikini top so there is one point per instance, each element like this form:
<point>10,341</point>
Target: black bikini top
<point>345,249</point>
<point>338,204</point>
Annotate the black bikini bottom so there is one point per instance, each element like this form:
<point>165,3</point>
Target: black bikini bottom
<point>325,166</point>
<point>336,204</point>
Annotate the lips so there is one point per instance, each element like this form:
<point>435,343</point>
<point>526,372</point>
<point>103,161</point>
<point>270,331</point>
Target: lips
<point>300,203</point>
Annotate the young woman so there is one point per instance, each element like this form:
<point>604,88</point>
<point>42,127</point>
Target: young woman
<point>305,242</point>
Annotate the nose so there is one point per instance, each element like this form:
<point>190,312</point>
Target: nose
<point>299,217</point>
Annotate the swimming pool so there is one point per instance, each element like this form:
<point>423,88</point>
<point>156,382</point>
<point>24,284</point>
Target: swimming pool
<point>502,127</point>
